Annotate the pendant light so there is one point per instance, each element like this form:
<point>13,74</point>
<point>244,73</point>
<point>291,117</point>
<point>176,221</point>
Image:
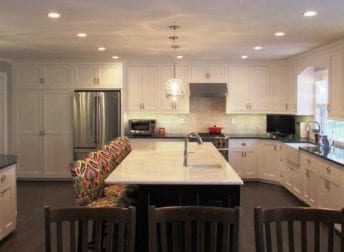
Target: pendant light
<point>174,88</point>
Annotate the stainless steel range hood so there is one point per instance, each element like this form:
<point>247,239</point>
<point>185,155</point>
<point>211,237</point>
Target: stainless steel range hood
<point>208,90</point>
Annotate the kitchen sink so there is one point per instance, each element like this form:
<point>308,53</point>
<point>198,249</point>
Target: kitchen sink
<point>300,145</point>
<point>291,151</point>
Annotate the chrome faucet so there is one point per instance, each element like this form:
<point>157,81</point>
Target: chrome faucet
<point>308,125</point>
<point>199,141</point>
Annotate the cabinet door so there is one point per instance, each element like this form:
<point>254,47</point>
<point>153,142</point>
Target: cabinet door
<point>29,76</point>
<point>149,88</point>
<point>237,90</point>
<point>235,160</point>
<point>134,87</point>
<point>216,73</point>
<point>57,133</point>
<point>336,89</point>
<point>257,88</point>
<point>58,76</point>
<point>269,163</point>
<point>86,76</point>
<point>29,133</point>
<point>181,105</point>
<point>198,73</point>
<point>110,76</point>
<point>250,164</point>
<point>310,185</point>
<point>297,182</point>
<point>279,88</point>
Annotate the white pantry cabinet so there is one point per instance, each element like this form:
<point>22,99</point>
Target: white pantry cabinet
<point>336,86</point>
<point>43,76</point>
<point>182,104</point>
<point>8,200</point>
<point>207,73</point>
<point>43,133</point>
<point>3,113</point>
<point>279,88</point>
<point>243,157</point>
<point>142,88</point>
<point>248,89</point>
<point>99,76</point>
<point>269,157</point>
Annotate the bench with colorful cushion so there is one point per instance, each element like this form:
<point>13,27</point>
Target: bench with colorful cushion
<point>90,173</point>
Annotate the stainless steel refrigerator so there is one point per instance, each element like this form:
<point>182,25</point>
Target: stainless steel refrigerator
<point>96,119</point>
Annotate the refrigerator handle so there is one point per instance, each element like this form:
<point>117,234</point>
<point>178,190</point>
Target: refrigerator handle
<point>96,120</point>
<point>99,121</point>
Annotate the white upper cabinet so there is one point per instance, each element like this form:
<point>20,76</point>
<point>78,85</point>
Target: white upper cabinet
<point>257,89</point>
<point>142,88</point>
<point>336,86</point>
<point>99,76</point>
<point>248,89</point>
<point>45,76</point>
<point>182,104</point>
<point>207,73</point>
<point>279,88</point>
<point>237,90</point>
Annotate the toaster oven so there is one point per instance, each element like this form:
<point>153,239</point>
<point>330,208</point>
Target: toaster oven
<point>141,127</point>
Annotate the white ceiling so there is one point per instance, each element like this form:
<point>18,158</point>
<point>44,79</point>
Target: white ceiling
<point>218,30</point>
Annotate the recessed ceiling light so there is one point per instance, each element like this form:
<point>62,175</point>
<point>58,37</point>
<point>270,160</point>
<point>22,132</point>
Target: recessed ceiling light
<point>53,15</point>
<point>244,56</point>
<point>279,34</point>
<point>82,35</point>
<point>180,56</point>
<point>115,57</point>
<point>258,48</point>
<point>310,13</point>
<point>101,48</point>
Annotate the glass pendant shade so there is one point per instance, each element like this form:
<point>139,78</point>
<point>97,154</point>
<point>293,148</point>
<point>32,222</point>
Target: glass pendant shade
<point>174,89</point>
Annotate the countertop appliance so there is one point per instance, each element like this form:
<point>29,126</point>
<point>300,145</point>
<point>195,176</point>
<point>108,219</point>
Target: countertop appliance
<point>220,141</point>
<point>142,127</point>
<point>96,119</point>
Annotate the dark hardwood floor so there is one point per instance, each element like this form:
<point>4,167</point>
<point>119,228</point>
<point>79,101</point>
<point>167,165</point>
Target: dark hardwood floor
<point>33,196</point>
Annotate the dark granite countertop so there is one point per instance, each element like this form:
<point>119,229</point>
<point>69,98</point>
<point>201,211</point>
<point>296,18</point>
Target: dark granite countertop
<point>7,160</point>
<point>231,136</point>
<point>335,155</point>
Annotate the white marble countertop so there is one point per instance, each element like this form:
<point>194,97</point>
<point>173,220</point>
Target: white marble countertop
<point>162,163</point>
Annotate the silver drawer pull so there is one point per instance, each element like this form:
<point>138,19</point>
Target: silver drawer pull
<point>243,144</point>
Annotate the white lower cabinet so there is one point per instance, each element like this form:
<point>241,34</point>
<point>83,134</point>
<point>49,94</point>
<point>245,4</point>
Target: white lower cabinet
<point>243,157</point>
<point>310,178</point>
<point>331,189</point>
<point>8,200</point>
<point>269,160</point>
<point>43,133</point>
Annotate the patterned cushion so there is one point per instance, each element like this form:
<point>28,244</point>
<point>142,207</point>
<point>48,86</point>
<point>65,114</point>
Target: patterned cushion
<point>104,202</point>
<point>88,180</point>
<point>115,190</point>
<point>89,174</point>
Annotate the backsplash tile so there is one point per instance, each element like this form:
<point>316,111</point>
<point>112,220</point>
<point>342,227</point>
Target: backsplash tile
<point>206,112</point>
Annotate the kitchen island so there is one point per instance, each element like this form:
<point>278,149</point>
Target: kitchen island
<point>162,180</point>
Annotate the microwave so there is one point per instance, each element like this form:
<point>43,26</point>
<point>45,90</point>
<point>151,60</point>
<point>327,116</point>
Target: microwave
<point>141,127</point>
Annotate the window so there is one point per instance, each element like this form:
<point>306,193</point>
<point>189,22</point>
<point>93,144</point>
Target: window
<point>332,128</point>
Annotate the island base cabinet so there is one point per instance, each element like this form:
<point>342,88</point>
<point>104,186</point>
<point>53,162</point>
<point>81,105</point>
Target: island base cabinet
<point>8,201</point>
<point>179,195</point>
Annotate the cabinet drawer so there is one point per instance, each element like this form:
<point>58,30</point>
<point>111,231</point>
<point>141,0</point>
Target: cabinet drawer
<point>7,177</point>
<point>243,143</point>
<point>307,160</point>
<point>331,172</point>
